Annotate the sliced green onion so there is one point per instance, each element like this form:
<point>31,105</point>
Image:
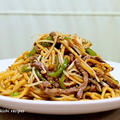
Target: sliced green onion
<point>56,63</point>
<point>32,52</point>
<point>14,94</point>
<point>91,52</point>
<point>67,38</point>
<point>39,75</point>
<point>49,38</point>
<point>52,82</point>
<point>61,82</point>
<point>59,72</point>
<point>116,81</point>
<point>25,68</point>
<point>46,44</point>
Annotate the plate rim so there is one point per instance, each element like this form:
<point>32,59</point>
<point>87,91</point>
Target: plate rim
<point>80,102</point>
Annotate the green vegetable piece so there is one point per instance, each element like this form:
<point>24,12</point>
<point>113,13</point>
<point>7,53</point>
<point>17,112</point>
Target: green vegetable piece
<point>61,82</point>
<point>46,44</point>
<point>56,63</point>
<point>91,52</point>
<point>49,38</point>
<point>32,52</point>
<point>14,94</point>
<point>67,38</point>
<point>116,81</point>
<point>51,82</point>
<point>25,68</point>
<point>39,75</point>
<point>59,72</point>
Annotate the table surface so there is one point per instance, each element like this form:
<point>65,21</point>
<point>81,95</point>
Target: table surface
<point>110,115</point>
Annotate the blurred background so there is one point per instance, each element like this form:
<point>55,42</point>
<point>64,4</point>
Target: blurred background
<point>95,20</point>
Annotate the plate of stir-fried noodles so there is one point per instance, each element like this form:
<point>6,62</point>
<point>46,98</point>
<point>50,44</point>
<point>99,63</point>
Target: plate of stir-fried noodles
<point>61,74</point>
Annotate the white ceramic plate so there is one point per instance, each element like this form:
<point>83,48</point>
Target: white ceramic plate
<point>63,107</point>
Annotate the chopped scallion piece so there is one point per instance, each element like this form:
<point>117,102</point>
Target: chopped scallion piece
<point>61,82</point>
<point>39,75</point>
<point>91,52</point>
<point>46,44</point>
<point>14,94</point>
<point>32,52</point>
<point>59,71</point>
<point>25,68</point>
<point>49,38</point>
<point>67,38</point>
